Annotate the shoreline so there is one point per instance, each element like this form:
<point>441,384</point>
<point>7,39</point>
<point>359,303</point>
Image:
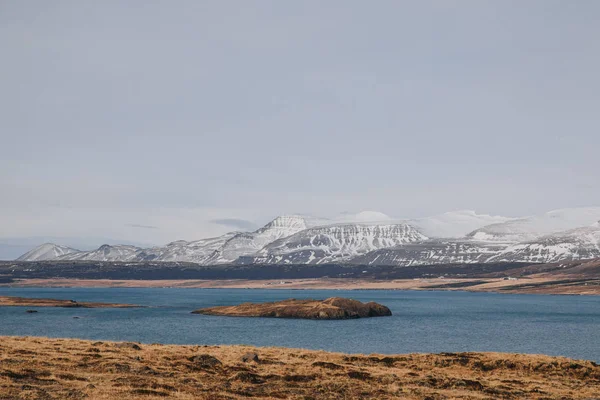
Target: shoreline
<point>557,285</point>
<point>38,367</point>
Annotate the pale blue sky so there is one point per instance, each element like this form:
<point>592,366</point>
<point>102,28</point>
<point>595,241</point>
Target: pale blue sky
<point>152,121</point>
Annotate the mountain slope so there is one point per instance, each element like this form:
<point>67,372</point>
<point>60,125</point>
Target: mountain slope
<point>530,228</point>
<point>249,243</point>
<point>453,224</point>
<point>430,252</point>
<point>46,251</point>
<point>572,245</point>
<point>334,242</point>
<point>198,251</point>
<point>105,253</point>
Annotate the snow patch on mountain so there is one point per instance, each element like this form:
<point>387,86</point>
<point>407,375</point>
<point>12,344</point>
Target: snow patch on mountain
<point>105,253</point>
<point>334,242</point>
<point>249,243</point>
<point>530,228</point>
<point>46,251</point>
<point>430,252</point>
<point>198,251</point>
<point>572,245</point>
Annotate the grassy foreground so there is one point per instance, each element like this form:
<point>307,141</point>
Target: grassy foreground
<point>39,368</point>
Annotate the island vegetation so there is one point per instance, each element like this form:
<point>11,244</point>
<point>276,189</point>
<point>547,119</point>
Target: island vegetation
<point>331,308</point>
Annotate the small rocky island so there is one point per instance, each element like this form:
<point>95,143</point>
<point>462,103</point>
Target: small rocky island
<point>331,308</point>
<point>11,301</point>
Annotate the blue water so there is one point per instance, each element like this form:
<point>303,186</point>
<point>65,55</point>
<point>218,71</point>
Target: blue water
<point>421,321</point>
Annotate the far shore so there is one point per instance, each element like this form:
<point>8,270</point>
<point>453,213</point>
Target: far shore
<point>537,284</point>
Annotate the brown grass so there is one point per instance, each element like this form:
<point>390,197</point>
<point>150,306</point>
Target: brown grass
<point>331,308</point>
<point>39,368</point>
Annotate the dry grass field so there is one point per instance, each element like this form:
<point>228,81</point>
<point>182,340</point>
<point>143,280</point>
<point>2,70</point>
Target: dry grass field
<point>39,368</point>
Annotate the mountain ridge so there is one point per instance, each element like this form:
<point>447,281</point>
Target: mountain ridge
<point>46,251</point>
<point>298,239</point>
<point>536,226</point>
<point>336,242</point>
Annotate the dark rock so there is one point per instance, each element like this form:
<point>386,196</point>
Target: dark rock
<point>363,376</point>
<point>205,361</point>
<point>249,377</point>
<point>471,384</point>
<point>121,367</point>
<point>248,357</point>
<point>328,365</point>
<point>149,392</point>
<point>128,345</point>
<point>299,378</point>
<point>147,370</point>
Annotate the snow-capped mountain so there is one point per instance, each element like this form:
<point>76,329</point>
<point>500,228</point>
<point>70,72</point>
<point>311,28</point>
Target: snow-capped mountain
<point>568,234</point>
<point>575,244</point>
<point>334,243</point>
<point>249,243</point>
<point>572,245</point>
<point>434,251</point>
<point>198,251</point>
<point>105,253</point>
<point>530,228</point>
<point>46,251</point>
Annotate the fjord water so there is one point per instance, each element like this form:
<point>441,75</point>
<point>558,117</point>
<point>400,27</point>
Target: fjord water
<point>421,321</point>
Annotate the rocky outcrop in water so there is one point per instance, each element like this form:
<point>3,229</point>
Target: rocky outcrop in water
<point>331,308</point>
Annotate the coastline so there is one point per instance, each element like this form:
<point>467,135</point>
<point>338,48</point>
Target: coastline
<point>536,284</point>
<point>36,367</point>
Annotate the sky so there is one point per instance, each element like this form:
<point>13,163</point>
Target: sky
<point>152,121</point>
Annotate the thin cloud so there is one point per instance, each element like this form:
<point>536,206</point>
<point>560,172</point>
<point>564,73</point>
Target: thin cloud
<point>235,223</point>
<point>142,226</point>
